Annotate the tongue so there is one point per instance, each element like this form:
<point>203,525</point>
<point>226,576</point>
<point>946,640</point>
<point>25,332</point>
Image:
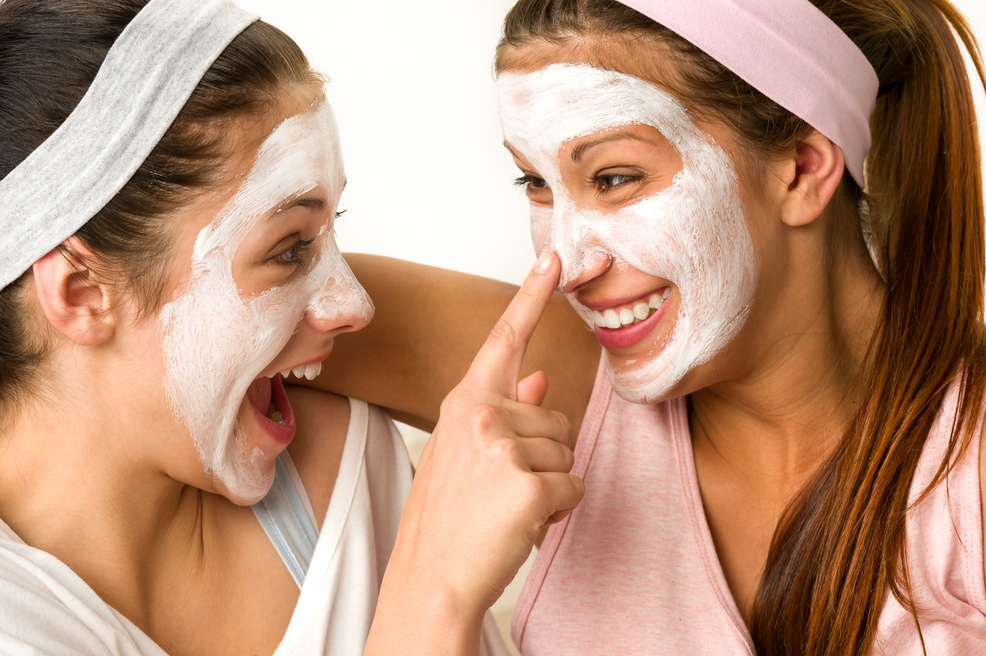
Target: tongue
<point>259,394</point>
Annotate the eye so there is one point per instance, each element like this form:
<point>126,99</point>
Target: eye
<point>531,183</point>
<point>298,254</point>
<point>608,181</point>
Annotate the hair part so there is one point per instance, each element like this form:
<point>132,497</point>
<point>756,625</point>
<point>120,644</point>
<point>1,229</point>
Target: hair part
<point>823,588</point>
<point>50,52</point>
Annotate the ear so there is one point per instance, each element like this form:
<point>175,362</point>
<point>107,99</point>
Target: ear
<point>813,173</point>
<point>74,302</point>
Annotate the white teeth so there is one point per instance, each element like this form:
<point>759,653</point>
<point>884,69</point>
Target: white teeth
<point>614,319</point>
<point>309,371</point>
<point>312,370</point>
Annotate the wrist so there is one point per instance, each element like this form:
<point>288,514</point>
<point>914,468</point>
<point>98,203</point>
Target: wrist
<point>418,612</point>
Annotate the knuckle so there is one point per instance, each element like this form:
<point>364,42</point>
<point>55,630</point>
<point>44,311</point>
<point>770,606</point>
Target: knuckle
<point>484,418</point>
<point>534,488</point>
<point>567,458</point>
<point>564,425</point>
<point>504,332</point>
<point>505,450</point>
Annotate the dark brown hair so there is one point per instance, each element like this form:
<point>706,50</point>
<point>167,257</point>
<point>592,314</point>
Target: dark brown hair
<point>824,586</point>
<point>50,51</point>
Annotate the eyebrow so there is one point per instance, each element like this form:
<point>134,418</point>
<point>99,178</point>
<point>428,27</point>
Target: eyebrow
<point>316,204</point>
<point>579,151</point>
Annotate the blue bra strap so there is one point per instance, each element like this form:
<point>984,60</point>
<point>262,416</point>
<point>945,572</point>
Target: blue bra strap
<point>286,522</point>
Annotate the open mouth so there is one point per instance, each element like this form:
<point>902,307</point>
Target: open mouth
<point>622,316</point>
<point>273,410</point>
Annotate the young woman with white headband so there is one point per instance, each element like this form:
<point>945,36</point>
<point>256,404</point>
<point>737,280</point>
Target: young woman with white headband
<point>781,447</point>
<point>169,176</point>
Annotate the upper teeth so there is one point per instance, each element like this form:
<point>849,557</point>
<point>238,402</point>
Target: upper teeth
<point>309,371</point>
<point>614,319</point>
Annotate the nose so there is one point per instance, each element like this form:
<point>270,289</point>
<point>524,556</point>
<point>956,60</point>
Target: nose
<point>578,268</point>
<point>347,314</point>
<point>571,233</point>
<point>341,305</point>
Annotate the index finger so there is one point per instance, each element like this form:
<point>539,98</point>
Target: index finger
<point>497,364</point>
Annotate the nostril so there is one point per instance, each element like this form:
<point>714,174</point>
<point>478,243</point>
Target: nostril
<point>583,268</point>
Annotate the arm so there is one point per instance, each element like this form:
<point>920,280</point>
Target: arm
<point>492,476</point>
<point>428,326</point>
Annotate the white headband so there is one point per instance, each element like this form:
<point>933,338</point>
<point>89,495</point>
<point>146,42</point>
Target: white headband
<point>147,76</point>
<point>792,53</point>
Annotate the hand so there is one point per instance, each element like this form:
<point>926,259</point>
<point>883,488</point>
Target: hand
<point>495,471</point>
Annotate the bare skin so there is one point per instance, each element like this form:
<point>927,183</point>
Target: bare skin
<point>413,358</point>
<point>764,413</point>
<point>128,506</point>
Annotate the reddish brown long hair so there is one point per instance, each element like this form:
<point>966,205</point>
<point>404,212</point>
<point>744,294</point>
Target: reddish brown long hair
<point>840,545</point>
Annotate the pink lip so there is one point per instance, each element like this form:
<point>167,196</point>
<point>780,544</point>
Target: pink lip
<point>281,433</point>
<point>621,338</point>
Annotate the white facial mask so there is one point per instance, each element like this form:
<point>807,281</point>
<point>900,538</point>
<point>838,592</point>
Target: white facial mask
<point>693,233</point>
<point>215,342</point>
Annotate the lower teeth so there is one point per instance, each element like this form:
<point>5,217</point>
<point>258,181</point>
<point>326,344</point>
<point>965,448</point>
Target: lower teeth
<point>274,415</point>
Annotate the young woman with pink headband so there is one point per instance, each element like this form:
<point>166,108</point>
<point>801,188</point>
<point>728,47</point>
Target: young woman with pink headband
<point>770,215</point>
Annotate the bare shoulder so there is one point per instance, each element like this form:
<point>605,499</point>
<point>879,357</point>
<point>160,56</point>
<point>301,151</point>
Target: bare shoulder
<point>323,420</point>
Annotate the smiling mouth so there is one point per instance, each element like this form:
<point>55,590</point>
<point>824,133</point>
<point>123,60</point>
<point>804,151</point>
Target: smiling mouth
<point>621,316</point>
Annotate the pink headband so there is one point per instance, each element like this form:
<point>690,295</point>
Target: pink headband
<point>789,51</point>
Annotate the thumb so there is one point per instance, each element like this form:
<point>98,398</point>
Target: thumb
<point>532,389</point>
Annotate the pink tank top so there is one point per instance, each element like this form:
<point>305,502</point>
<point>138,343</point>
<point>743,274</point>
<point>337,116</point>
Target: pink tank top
<point>634,570</point>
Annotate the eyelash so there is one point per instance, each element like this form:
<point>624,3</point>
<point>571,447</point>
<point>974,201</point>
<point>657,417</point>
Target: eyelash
<point>529,181</point>
<point>603,179</point>
<point>296,254</point>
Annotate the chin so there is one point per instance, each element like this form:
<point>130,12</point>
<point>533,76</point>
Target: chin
<point>651,380</point>
<point>247,479</point>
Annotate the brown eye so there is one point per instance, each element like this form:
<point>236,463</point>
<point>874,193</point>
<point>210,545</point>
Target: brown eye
<point>297,254</point>
<point>607,182</point>
<point>531,183</point>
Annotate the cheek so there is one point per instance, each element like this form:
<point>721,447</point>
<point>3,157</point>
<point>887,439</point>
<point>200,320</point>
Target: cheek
<point>540,227</point>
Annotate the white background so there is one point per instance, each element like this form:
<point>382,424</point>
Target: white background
<point>413,89</point>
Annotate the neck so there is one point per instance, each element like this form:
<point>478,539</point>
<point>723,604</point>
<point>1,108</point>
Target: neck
<point>784,412</point>
<point>79,460</point>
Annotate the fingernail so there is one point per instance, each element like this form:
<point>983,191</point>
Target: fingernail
<point>544,261</point>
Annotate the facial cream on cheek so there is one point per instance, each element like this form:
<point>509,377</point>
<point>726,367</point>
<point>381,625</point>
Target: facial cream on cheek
<point>215,342</point>
<point>692,234</point>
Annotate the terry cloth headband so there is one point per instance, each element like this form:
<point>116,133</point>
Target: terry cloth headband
<point>145,80</point>
<point>789,51</point>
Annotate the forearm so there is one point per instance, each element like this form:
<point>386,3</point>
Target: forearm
<point>428,326</point>
<point>417,615</point>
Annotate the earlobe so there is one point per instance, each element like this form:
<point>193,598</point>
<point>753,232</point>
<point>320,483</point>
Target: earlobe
<point>73,301</point>
<point>817,169</point>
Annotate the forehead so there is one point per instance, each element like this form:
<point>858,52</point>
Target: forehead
<point>563,101</point>
<point>640,56</point>
<point>256,140</point>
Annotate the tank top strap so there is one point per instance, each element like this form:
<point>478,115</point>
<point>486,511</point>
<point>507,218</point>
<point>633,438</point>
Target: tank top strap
<point>287,518</point>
